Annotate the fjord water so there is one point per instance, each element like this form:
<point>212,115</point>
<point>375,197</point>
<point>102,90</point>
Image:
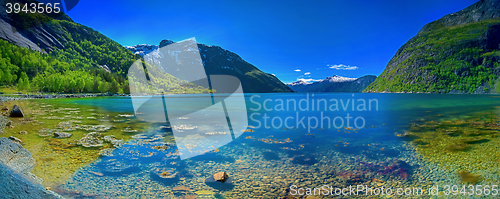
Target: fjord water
<point>267,159</point>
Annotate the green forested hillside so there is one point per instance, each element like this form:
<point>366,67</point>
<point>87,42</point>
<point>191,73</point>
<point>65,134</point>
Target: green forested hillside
<point>459,53</point>
<point>29,70</point>
<point>449,59</point>
<point>71,59</point>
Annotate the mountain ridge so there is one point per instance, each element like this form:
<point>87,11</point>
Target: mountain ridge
<point>59,55</point>
<point>458,53</point>
<point>333,84</point>
<point>219,61</point>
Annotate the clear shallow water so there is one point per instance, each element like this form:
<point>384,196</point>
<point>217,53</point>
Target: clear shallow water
<point>267,161</point>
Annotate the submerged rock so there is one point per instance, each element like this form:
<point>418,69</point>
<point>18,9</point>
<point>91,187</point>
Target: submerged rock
<point>221,176</point>
<point>16,112</point>
<point>4,122</point>
<point>115,142</point>
<point>92,139</point>
<point>168,173</point>
<point>119,167</point>
<point>468,177</point>
<point>62,135</point>
<point>106,152</point>
<point>181,188</point>
<point>45,132</point>
<point>97,173</point>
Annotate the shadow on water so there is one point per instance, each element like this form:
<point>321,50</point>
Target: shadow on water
<point>270,156</point>
<point>304,160</point>
<point>123,172</point>
<point>226,186</point>
<point>353,150</point>
<point>369,152</point>
<point>164,181</point>
<point>118,167</point>
<point>376,154</point>
<point>478,141</point>
<point>213,157</point>
<point>299,157</point>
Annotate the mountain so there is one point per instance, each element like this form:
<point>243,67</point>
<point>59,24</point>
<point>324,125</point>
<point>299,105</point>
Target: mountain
<point>459,53</point>
<point>333,84</point>
<point>52,53</point>
<point>218,61</point>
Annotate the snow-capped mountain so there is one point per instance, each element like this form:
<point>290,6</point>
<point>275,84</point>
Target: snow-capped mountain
<point>334,78</point>
<point>337,78</point>
<point>302,82</point>
<point>149,53</point>
<point>332,84</point>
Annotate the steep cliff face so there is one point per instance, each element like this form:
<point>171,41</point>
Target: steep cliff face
<point>32,30</point>
<point>480,11</point>
<point>59,36</point>
<point>458,53</point>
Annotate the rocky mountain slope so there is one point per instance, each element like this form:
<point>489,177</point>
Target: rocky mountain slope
<point>55,46</point>
<point>458,53</point>
<point>218,61</point>
<point>52,53</point>
<point>333,84</point>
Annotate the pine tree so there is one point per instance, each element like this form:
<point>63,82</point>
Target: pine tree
<point>20,84</point>
<point>26,85</point>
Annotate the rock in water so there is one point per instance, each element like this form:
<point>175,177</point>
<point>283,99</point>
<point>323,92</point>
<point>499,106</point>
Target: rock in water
<point>221,176</point>
<point>15,139</point>
<point>13,155</point>
<point>62,135</point>
<point>16,112</point>
<point>15,164</point>
<point>4,122</point>
<point>92,139</point>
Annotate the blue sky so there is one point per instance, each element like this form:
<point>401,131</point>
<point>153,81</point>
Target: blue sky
<point>287,38</point>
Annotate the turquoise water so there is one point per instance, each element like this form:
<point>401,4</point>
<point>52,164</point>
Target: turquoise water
<point>266,160</point>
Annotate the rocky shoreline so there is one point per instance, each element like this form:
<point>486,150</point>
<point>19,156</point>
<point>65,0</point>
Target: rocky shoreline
<point>17,181</point>
<point>9,97</point>
<point>16,163</point>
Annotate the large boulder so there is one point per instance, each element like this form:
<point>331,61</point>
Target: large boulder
<point>15,179</point>
<point>16,185</point>
<point>16,112</point>
<point>221,176</point>
<point>13,155</point>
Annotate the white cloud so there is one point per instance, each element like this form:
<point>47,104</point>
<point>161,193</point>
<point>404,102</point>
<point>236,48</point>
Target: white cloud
<point>308,73</point>
<point>308,80</point>
<point>343,67</point>
<point>297,70</point>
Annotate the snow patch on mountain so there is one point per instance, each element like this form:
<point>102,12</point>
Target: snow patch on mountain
<point>150,53</point>
<point>334,78</point>
<point>303,82</point>
<point>337,78</point>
